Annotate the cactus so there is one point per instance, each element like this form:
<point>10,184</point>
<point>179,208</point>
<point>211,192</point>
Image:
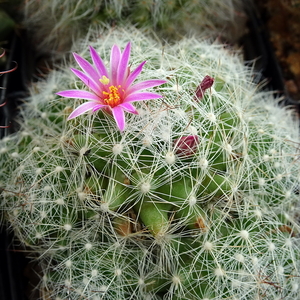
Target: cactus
<point>56,24</point>
<point>196,197</point>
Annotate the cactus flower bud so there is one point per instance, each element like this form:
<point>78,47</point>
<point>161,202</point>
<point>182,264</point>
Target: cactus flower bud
<point>205,84</point>
<point>186,146</point>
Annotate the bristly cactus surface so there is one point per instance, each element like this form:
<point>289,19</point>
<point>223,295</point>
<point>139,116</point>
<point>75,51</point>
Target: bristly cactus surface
<point>196,198</point>
<point>54,25</point>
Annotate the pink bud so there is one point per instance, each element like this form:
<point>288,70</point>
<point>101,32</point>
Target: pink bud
<point>205,84</point>
<point>186,145</point>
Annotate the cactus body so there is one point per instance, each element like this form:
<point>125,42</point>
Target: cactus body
<point>132,214</point>
<point>54,25</point>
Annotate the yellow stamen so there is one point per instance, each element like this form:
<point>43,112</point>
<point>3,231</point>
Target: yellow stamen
<point>112,98</point>
<point>104,80</point>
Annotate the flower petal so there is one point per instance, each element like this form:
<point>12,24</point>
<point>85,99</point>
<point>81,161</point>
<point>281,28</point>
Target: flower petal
<point>119,116</point>
<point>145,85</point>
<point>114,64</point>
<point>131,78</point>
<point>79,94</point>
<point>81,109</point>
<point>89,82</point>
<point>141,96</point>
<point>129,108</point>
<point>86,67</point>
<point>98,62</point>
<point>98,106</point>
<point>123,65</point>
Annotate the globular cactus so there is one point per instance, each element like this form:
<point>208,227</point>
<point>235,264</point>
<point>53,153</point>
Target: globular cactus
<point>54,25</point>
<point>196,197</point>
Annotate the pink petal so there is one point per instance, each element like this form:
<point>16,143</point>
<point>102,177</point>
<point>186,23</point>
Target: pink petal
<point>87,81</point>
<point>123,65</point>
<point>145,85</point>
<point>131,78</point>
<point>98,62</point>
<point>79,94</point>
<point>114,64</point>
<point>86,67</point>
<point>98,106</point>
<point>141,96</point>
<point>81,109</point>
<point>119,116</point>
<point>129,108</point>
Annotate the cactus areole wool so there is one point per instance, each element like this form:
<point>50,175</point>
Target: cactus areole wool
<point>112,91</point>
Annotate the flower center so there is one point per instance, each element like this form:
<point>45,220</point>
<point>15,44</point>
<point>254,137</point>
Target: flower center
<point>113,97</point>
<point>104,80</point>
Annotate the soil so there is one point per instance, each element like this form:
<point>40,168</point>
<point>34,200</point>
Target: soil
<point>282,21</point>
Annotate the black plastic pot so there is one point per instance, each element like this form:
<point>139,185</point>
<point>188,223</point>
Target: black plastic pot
<point>14,84</point>
<point>13,283</point>
<point>258,49</point>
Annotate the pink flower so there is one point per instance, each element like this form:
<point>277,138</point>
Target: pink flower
<point>186,146</point>
<point>113,90</point>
